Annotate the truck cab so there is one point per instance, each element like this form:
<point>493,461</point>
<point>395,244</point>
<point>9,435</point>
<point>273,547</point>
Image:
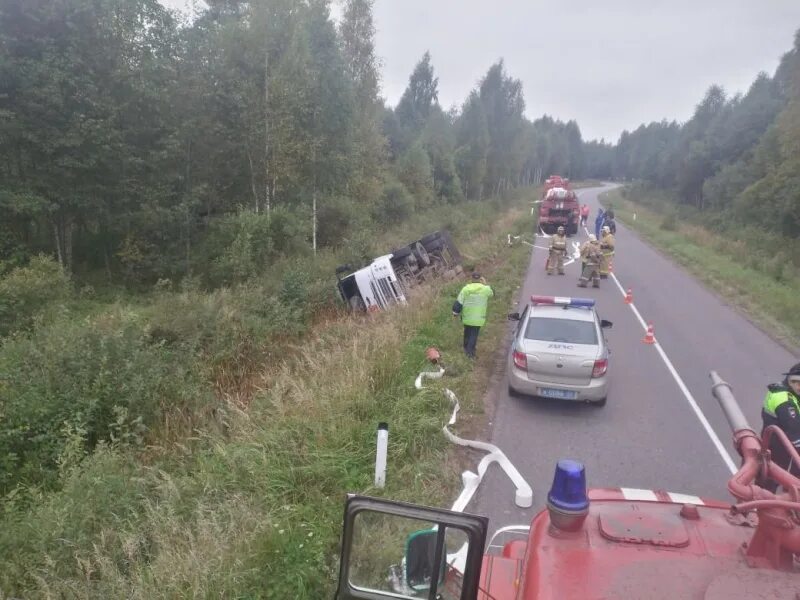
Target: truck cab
<point>387,280</point>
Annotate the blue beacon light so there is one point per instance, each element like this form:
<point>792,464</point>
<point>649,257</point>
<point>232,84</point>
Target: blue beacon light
<point>567,501</point>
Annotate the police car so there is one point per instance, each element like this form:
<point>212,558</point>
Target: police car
<point>559,351</point>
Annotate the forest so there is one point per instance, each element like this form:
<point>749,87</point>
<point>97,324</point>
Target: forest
<point>138,147</point>
<point>175,195</point>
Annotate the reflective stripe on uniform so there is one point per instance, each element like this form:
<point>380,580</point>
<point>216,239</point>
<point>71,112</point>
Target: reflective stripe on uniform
<point>774,399</point>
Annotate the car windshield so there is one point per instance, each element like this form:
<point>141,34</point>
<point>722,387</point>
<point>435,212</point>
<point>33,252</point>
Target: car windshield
<point>561,330</point>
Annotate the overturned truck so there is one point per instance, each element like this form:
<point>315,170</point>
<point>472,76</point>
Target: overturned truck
<point>388,278</point>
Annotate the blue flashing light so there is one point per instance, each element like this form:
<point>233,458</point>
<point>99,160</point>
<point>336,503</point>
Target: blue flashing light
<point>569,487</point>
<point>563,301</point>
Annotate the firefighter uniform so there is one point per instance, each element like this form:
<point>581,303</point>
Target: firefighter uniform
<point>471,304</point>
<point>782,408</point>
<point>558,249</point>
<point>591,255</point>
<point>607,244</point>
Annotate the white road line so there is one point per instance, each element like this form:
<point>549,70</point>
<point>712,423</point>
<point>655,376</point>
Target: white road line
<point>686,393</point>
<point>685,498</point>
<point>636,494</point>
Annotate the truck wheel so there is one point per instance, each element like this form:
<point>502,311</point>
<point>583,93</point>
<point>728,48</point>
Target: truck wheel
<point>401,253</point>
<point>430,238</point>
<point>422,255</point>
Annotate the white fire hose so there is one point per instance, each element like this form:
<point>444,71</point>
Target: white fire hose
<point>524,495</point>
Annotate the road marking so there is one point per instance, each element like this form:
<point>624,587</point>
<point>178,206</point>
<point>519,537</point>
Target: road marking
<point>685,498</point>
<point>686,393</point>
<point>726,457</point>
<point>636,494</point>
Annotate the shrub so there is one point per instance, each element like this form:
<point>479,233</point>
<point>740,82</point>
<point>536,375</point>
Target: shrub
<point>100,379</point>
<point>396,204</point>
<point>336,218</point>
<point>670,221</point>
<point>26,291</point>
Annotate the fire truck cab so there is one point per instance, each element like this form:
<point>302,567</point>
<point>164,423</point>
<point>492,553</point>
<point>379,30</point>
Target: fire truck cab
<point>590,543</point>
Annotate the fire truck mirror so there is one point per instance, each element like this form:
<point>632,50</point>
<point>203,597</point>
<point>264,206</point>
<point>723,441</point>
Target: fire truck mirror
<point>398,550</point>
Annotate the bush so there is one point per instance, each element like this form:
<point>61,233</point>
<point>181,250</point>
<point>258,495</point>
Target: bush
<point>99,380</point>
<point>396,204</point>
<point>670,221</point>
<point>242,246</point>
<point>26,291</point>
<point>337,217</point>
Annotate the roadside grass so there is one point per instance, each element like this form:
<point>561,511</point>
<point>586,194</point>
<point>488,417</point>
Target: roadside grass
<point>746,269</point>
<point>247,503</point>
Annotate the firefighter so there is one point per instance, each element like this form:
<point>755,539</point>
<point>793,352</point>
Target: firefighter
<point>591,255</point>
<point>607,243</point>
<point>558,249</point>
<point>782,408</point>
<point>471,305</point>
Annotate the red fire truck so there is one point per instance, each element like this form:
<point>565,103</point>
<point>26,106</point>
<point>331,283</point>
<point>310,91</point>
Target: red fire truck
<point>597,543</point>
<point>558,206</point>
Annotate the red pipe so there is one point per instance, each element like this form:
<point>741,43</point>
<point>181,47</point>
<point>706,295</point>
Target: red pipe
<point>755,504</point>
<point>784,440</point>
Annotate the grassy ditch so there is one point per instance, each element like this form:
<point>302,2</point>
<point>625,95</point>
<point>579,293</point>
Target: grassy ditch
<point>744,269</point>
<point>246,502</point>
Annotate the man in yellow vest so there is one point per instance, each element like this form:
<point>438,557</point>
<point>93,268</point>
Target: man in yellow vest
<point>471,304</point>
<point>782,408</point>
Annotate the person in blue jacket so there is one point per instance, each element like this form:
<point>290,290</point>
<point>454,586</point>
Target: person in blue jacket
<point>598,222</point>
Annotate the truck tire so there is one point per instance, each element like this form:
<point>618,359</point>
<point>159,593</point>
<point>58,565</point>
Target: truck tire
<point>422,255</point>
<point>430,238</point>
<point>401,253</point>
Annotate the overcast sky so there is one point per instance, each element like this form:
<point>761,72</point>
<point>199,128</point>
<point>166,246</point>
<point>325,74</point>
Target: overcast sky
<point>610,65</point>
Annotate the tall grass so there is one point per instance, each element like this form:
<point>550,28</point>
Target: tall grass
<point>246,501</point>
<point>755,270</point>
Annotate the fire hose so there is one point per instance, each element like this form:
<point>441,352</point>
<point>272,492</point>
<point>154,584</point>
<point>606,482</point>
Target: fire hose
<point>524,495</point>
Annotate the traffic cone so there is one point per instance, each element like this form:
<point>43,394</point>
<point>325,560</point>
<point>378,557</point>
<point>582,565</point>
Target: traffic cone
<point>629,297</point>
<point>649,337</point>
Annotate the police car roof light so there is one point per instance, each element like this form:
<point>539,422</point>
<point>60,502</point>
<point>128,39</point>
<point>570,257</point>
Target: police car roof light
<point>563,301</point>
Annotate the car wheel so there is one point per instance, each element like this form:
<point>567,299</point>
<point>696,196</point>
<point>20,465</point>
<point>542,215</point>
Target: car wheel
<point>600,403</point>
<point>512,392</point>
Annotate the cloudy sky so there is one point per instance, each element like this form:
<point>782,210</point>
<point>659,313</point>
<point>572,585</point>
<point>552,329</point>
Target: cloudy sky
<point>610,65</point>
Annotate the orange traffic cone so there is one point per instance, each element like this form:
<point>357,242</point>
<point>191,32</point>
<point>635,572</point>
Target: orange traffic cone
<point>629,297</point>
<point>649,337</point>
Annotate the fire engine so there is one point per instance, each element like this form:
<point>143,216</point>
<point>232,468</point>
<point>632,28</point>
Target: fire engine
<point>558,206</point>
<point>591,543</point>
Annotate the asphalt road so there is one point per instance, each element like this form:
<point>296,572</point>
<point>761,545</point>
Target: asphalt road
<point>648,435</point>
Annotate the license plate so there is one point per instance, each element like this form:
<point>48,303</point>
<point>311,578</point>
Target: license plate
<point>553,393</point>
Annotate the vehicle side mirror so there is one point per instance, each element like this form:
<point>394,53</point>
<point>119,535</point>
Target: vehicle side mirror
<point>393,550</point>
<point>606,324</point>
<point>513,316</point>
